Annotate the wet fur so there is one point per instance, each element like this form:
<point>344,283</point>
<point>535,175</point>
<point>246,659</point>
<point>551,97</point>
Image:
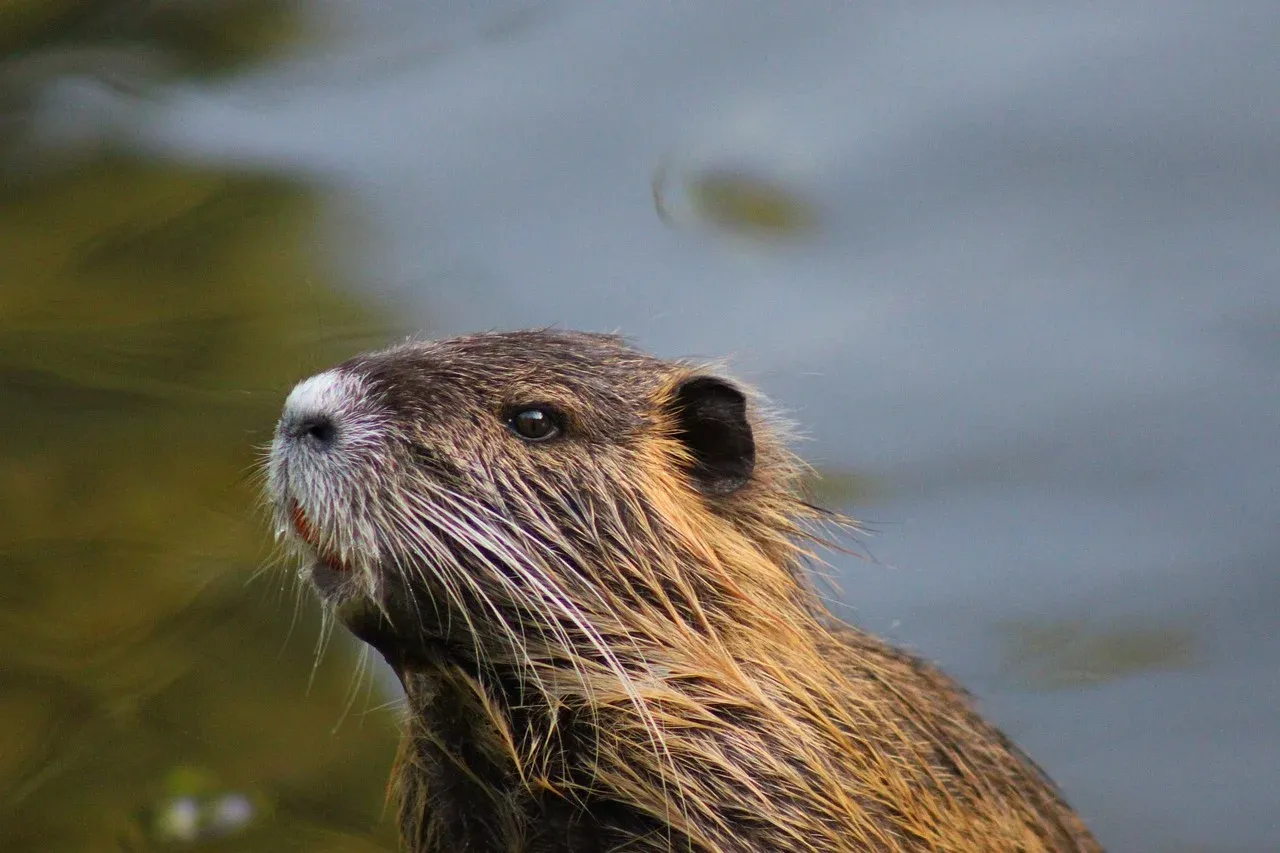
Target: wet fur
<point>605,647</point>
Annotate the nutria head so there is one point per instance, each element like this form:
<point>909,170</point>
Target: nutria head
<point>446,495</point>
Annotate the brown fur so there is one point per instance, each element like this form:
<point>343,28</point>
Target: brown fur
<point>601,652</point>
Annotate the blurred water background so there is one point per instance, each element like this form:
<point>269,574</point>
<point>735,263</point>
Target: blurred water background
<point>1016,269</point>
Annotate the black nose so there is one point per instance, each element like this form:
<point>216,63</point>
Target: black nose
<point>316,430</point>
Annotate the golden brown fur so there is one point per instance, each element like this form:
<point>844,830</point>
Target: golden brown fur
<point>607,640</point>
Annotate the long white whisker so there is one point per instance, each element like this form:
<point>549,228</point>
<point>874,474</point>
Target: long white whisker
<point>551,595</point>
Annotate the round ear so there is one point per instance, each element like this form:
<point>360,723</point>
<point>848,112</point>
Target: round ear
<point>711,422</point>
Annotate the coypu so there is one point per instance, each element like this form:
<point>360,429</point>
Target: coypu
<point>587,566</point>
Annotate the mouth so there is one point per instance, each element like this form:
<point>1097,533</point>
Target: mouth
<point>334,579</point>
<point>326,559</point>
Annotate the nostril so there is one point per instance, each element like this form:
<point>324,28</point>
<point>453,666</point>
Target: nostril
<point>318,430</point>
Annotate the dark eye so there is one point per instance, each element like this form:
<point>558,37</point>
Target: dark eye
<point>535,423</point>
